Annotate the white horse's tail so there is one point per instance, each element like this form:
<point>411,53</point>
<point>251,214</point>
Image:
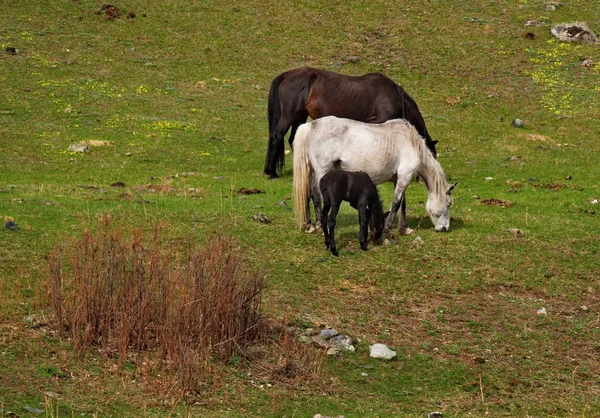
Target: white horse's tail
<point>301,173</point>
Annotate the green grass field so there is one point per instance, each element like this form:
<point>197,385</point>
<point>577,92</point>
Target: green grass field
<point>172,101</point>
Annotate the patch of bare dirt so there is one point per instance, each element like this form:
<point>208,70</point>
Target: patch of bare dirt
<point>496,202</point>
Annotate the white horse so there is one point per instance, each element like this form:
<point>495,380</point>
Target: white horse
<point>389,152</point>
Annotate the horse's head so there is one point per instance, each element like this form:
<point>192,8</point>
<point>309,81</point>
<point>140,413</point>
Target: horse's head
<point>438,207</point>
<point>377,221</point>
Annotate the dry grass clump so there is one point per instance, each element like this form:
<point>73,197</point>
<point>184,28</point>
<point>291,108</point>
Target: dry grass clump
<point>188,306</point>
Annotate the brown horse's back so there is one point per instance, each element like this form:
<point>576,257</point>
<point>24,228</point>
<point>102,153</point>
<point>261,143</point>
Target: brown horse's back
<point>299,93</point>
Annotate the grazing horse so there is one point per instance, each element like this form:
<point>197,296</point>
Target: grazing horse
<point>358,189</point>
<point>297,94</point>
<point>389,152</point>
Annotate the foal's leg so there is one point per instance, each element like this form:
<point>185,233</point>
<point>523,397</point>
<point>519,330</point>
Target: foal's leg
<point>335,207</point>
<point>363,221</point>
<point>324,214</point>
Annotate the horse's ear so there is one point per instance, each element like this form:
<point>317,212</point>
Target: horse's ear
<point>451,187</point>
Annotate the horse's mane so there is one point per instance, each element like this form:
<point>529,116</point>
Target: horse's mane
<point>430,169</point>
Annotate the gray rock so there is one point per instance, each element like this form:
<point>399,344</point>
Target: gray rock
<point>319,341</point>
<point>261,217</point>
<point>332,351</point>
<point>381,351</point>
<point>11,225</point>
<point>574,32</point>
<point>553,5</point>
<point>34,411</point>
<point>517,123</point>
<point>328,333</point>
<point>79,148</point>
<point>343,343</point>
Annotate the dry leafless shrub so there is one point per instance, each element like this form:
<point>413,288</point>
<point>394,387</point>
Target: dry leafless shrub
<point>188,305</point>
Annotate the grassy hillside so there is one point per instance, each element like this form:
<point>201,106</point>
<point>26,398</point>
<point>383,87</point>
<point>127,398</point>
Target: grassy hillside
<point>171,98</point>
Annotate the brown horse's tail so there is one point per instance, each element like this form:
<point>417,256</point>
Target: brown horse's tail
<point>275,148</point>
<point>301,173</point>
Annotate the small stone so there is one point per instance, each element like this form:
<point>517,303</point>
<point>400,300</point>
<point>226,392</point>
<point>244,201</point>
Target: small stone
<point>10,50</point>
<point>343,343</point>
<point>542,311</point>
<point>476,197</point>
<point>587,63</point>
<point>319,341</point>
<point>418,241</point>
<point>584,308</point>
<point>593,201</point>
<point>534,22</point>
<point>517,123</point>
<point>79,148</point>
<point>436,414</point>
<point>515,231</point>
<point>489,178</point>
<point>328,333</point>
<point>332,351</point>
<point>34,411</point>
<point>261,217</point>
<point>11,225</point>
<point>381,351</point>
<point>353,60</point>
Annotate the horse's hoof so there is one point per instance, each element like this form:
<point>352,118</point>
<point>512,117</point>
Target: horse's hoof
<point>273,176</point>
<point>406,231</point>
<point>363,247</point>
<point>335,252</point>
<point>310,229</point>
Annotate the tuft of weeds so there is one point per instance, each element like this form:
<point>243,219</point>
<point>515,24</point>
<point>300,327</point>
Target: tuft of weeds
<point>188,305</point>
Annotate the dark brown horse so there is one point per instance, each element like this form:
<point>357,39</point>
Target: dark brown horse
<point>297,94</point>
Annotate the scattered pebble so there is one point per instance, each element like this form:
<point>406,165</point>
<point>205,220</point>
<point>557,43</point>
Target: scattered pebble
<point>328,333</point>
<point>587,63</point>
<point>79,148</point>
<point>381,351</point>
<point>489,178</point>
<point>517,123</point>
<point>343,343</point>
<point>332,351</point>
<point>436,414</point>
<point>594,201</point>
<point>11,225</point>
<point>10,50</point>
<point>418,241</point>
<point>261,217</point>
<point>34,411</point>
<point>542,311</point>
<point>515,231</point>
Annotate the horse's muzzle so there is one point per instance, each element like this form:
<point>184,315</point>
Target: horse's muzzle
<point>443,229</point>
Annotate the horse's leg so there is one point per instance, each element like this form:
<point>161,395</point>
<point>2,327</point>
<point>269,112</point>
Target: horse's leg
<point>324,215</point>
<point>275,150</point>
<point>396,203</point>
<point>331,220</point>
<point>402,224</point>
<point>363,221</point>
<point>295,127</point>
<point>316,198</point>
